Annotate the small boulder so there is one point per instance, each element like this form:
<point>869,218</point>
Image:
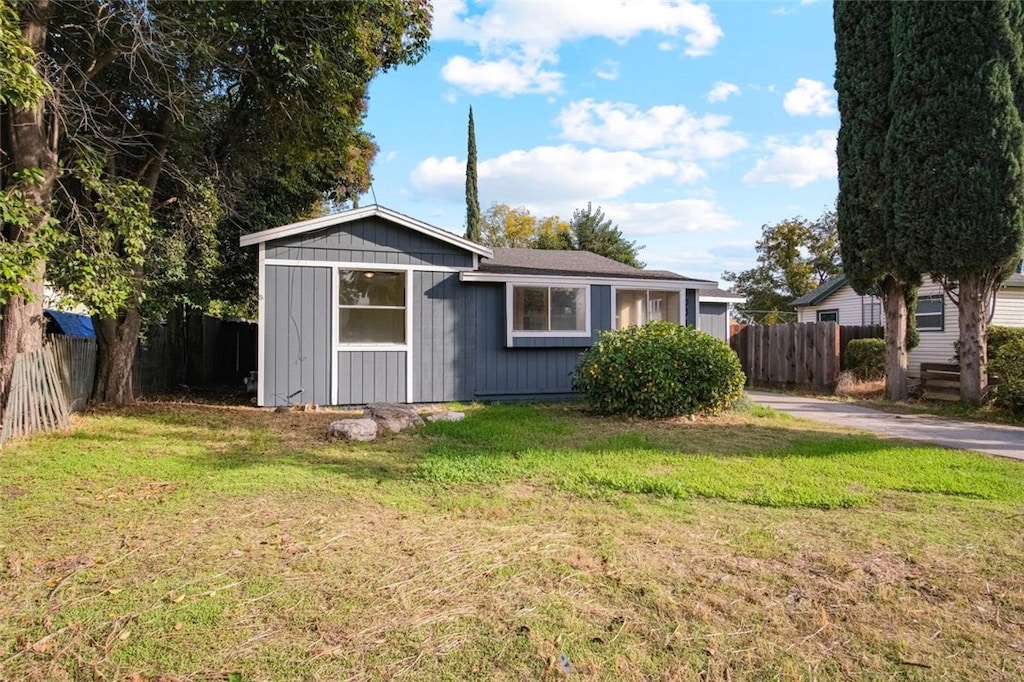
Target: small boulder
<point>353,429</point>
<point>393,417</point>
<point>446,416</point>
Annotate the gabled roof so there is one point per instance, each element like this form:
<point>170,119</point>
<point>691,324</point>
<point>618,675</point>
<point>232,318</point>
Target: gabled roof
<point>371,211</point>
<point>823,291</point>
<point>556,263</point>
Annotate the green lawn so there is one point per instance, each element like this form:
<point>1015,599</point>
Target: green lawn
<point>188,542</point>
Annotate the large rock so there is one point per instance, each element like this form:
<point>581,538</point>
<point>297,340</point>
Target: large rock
<point>446,416</point>
<point>353,429</point>
<point>392,417</point>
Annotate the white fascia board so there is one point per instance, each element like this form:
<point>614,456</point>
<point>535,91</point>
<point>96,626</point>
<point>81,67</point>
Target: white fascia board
<point>722,299</point>
<point>357,214</point>
<point>578,280</point>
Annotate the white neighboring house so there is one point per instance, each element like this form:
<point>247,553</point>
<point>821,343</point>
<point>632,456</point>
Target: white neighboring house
<point>938,319</point>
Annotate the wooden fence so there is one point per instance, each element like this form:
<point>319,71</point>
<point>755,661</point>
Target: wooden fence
<point>849,333</point>
<point>801,355</point>
<point>48,385</point>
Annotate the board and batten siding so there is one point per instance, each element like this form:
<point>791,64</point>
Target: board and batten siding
<point>371,241</point>
<point>714,319</point>
<point>298,338</point>
<point>541,369</point>
<point>376,376</point>
<point>443,338</point>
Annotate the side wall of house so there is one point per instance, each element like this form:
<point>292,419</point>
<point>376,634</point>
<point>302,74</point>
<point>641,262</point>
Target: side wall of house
<point>714,319</point>
<point>444,337</point>
<point>1009,307</point>
<point>845,301</point>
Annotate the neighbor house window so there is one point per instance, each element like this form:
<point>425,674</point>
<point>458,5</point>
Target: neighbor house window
<point>870,310</point>
<point>549,309</point>
<point>372,307</point>
<point>640,306</point>
<point>828,316</point>
<point>931,314</point>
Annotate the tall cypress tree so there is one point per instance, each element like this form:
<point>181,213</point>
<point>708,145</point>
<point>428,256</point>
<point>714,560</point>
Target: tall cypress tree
<point>473,227</point>
<point>956,146</point>
<point>865,219</point>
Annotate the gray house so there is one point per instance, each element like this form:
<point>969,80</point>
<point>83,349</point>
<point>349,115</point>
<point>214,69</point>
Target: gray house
<point>371,305</point>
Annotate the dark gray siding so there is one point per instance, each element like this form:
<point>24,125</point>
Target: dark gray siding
<point>443,337</point>
<point>714,319</point>
<point>298,336</point>
<point>371,377</point>
<point>525,372</point>
<point>371,240</point>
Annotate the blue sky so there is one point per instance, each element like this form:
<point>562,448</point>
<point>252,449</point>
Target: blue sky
<point>690,124</point>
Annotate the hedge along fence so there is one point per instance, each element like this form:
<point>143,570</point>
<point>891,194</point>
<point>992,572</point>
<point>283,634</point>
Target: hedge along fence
<point>48,385</point>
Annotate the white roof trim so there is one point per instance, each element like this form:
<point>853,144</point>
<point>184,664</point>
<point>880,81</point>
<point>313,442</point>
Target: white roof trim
<point>722,299</point>
<point>632,282</point>
<point>358,214</point>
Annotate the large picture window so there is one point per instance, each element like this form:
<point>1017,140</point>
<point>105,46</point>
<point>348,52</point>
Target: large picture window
<point>549,309</point>
<point>640,306</point>
<point>372,307</point>
<point>931,314</point>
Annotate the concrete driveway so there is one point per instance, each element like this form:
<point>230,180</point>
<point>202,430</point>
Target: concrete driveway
<point>994,439</point>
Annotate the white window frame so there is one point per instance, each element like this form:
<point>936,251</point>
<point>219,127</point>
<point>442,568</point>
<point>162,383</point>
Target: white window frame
<point>682,302</point>
<point>826,311</point>
<point>339,345</point>
<point>941,315</point>
<point>548,284</point>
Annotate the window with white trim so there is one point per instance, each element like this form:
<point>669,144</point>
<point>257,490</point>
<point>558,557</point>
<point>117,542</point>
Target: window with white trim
<point>870,310</point>
<point>549,309</point>
<point>931,314</point>
<point>372,307</point>
<point>640,306</point>
<point>828,316</point>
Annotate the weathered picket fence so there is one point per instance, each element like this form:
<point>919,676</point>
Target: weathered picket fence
<point>802,355</point>
<point>47,385</point>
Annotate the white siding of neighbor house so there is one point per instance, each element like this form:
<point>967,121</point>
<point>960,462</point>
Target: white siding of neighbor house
<point>935,346</point>
<point>845,300</point>
<point>1010,308</point>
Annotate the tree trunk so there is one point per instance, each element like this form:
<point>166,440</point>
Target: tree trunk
<point>31,136</point>
<point>116,342</point>
<point>972,296</point>
<point>895,339</point>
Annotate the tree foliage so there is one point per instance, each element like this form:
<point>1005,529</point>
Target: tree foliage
<point>794,256</point>
<point>589,230</point>
<point>473,231</point>
<point>956,149</point>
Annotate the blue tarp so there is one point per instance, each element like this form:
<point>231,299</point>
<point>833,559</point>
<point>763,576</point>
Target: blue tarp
<point>72,324</point>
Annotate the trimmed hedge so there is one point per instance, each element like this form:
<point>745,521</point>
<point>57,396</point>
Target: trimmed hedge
<point>866,358</point>
<point>1000,336</point>
<point>659,370</point>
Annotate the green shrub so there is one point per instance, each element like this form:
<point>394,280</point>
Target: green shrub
<point>866,358</point>
<point>1008,363</point>
<point>659,370</point>
<point>1000,336</point>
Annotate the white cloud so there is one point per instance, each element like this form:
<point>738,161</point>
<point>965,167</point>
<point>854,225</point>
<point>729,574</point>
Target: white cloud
<point>505,77</point>
<point>809,97</point>
<point>667,46</point>
<point>517,40</point>
<point>722,90</point>
<point>669,217</point>
<point>813,158</point>
<point>545,25</point>
<point>545,175</point>
<point>450,96</point>
<point>609,70</point>
<point>671,129</point>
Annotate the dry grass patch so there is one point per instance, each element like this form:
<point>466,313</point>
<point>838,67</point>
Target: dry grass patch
<point>185,543</point>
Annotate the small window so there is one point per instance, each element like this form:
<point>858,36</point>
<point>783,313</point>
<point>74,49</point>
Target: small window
<point>931,314</point>
<point>549,309</point>
<point>640,306</point>
<point>828,316</point>
<point>372,304</point>
<point>870,310</point>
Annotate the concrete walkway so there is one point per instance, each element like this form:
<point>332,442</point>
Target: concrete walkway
<point>994,439</point>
